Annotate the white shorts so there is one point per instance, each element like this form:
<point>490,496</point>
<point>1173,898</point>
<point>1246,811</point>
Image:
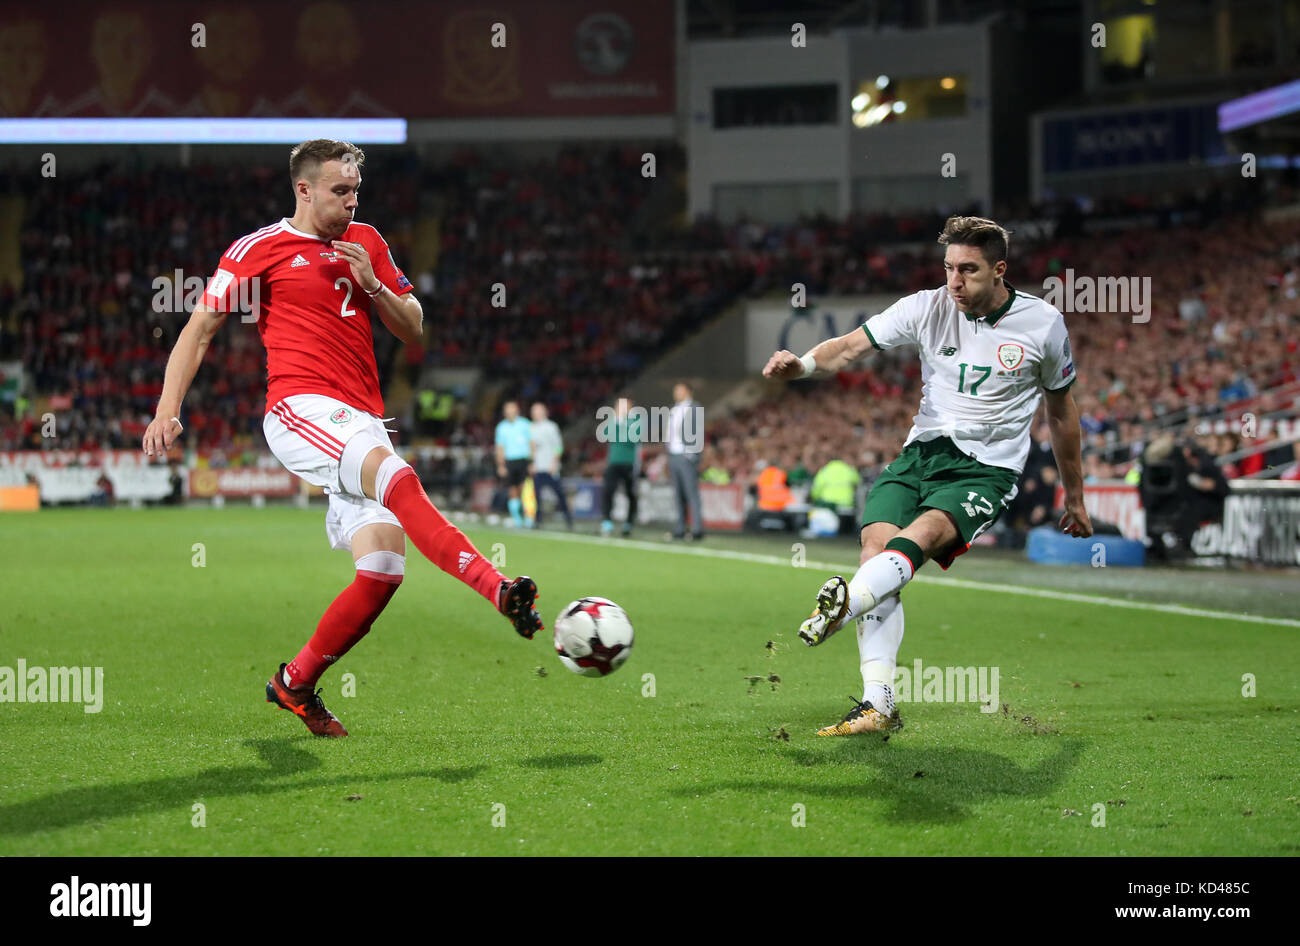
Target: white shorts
<point>307,433</point>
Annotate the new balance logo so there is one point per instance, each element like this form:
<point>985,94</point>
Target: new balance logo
<point>298,261</point>
<point>947,351</point>
<point>465,559</point>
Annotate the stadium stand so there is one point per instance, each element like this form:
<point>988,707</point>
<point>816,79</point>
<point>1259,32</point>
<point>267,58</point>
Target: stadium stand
<point>591,290</point>
<point>1221,342</point>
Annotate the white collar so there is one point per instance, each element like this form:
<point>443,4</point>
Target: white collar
<point>284,223</point>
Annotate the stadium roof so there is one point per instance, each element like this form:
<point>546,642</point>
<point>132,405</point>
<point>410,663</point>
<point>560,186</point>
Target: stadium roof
<point>707,19</point>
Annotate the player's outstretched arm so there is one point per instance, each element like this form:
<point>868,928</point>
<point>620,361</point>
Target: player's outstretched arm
<point>1063,421</point>
<point>832,355</point>
<point>182,365</point>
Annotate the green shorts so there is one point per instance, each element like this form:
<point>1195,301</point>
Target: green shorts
<point>934,474</point>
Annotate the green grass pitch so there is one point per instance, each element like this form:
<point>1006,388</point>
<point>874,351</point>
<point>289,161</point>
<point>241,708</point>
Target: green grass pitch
<point>1140,711</point>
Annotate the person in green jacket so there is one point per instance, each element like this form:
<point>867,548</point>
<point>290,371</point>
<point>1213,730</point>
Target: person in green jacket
<point>835,485</point>
<point>713,472</point>
<point>622,465</point>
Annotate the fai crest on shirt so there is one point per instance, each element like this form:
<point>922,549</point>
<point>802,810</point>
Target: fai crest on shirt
<point>341,416</point>
<point>1011,355</point>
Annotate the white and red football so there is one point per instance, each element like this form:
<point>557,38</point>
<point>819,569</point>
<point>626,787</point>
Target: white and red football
<point>593,636</point>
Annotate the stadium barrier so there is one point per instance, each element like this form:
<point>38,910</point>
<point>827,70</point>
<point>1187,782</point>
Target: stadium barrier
<point>723,507</point>
<point>88,476</point>
<point>242,483</point>
<point>78,476</point>
<point>1261,519</point>
<point>1261,523</point>
<point>19,498</point>
<point>1113,501</point>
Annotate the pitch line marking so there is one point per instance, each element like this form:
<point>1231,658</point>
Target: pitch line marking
<point>926,579</point>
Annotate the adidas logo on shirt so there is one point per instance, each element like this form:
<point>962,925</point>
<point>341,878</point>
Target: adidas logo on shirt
<point>299,261</point>
<point>465,559</point>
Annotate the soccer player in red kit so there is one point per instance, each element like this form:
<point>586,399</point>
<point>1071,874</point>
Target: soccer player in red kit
<point>316,279</point>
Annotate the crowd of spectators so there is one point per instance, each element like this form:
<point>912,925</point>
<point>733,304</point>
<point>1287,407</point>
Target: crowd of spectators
<point>101,303</point>
<point>590,298</point>
<point>584,310</point>
<point>589,294</point>
<point>537,278</point>
<point>1224,325</point>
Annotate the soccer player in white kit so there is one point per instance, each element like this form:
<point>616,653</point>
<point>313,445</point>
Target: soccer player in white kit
<point>988,354</point>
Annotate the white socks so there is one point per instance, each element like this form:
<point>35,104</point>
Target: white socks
<point>880,634</point>
<point>877,578</point>
<point>388,469</point>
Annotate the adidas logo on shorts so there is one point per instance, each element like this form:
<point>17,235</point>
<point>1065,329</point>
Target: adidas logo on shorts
<point>465,559</point>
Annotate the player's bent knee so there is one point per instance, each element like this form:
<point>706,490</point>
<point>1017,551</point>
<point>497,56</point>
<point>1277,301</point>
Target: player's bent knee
<point>357,456</point>
<point>873,538</point>
<point>935,532</point>
<point>389,470</point>
<point>355,453</point>
<point>870,550</point>
<point>385,566</point>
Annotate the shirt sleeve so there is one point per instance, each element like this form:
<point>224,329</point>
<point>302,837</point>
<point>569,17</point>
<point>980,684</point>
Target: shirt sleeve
<point>500,439</point>
<point>233,287</point>
<point>1056,368</point>
<point>386,269</point>
<point>896,325</point>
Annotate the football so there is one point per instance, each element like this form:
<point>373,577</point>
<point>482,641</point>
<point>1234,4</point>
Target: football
<point>593,636</point>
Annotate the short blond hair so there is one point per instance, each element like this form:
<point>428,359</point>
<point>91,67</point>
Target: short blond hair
<point>305,159</point>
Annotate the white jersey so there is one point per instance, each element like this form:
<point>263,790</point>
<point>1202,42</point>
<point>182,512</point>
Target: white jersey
<point>547,445</point>
<point>981,377</point>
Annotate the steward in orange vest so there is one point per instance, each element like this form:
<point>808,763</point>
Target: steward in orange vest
<point>773,494</point>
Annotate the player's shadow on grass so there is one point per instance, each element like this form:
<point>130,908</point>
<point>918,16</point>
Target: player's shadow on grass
<point>929,784</point>
<point>562,760</point>
<point>282,759</point>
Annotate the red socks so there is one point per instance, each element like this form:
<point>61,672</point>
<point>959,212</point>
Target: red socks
<point>348,619</point>
<point>437,539</point>
<point>344,623</point>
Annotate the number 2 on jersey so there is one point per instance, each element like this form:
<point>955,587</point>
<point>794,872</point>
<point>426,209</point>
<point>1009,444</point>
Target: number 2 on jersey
<point>346,284</point>
<point>983,507</point>
<point>974,388</point>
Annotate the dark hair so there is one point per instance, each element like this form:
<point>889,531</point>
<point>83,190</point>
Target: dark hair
<point>980,232</point>
<point>306,158</point>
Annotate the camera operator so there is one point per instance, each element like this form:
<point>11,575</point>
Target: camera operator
<point>1181,487</point>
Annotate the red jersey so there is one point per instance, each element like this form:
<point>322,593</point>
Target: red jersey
<point>313,317</point>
